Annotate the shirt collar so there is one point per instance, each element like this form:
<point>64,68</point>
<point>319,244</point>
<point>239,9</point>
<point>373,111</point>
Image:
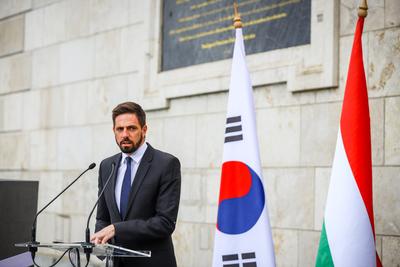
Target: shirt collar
<point>137,155</point>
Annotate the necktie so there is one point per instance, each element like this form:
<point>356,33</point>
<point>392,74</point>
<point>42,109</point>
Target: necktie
<point>126,188</point>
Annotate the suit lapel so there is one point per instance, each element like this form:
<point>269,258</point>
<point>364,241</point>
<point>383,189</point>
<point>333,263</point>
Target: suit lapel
<point>111,189</point>
<point>144,166</point>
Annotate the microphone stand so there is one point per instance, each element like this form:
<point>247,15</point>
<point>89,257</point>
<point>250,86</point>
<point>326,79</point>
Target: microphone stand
<point>32,247</point>
<point>87,246</point>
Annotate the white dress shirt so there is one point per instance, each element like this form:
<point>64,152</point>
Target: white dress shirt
<point>136,158</point>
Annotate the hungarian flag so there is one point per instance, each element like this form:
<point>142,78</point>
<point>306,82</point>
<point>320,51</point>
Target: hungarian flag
<point>243,234</point>
<point>348,233</point>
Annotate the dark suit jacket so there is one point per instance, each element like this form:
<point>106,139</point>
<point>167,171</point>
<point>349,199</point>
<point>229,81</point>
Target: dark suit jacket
<point>152,208</point>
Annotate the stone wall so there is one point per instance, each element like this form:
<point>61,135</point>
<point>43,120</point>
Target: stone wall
<point>64,64</point>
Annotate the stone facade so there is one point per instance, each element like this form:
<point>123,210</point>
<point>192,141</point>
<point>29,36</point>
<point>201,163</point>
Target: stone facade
<point>64,64</point>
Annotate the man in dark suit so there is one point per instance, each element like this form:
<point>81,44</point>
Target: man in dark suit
<point>140,204</point>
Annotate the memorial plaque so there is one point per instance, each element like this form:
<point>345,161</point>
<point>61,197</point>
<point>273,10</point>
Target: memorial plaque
<point>201,31</point>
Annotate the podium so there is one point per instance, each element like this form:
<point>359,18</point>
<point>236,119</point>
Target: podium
<point>108,251</point>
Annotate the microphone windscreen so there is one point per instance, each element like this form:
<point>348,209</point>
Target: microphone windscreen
<point>91,166</point>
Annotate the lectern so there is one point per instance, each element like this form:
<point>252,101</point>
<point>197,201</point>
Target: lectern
<point>105,250</point>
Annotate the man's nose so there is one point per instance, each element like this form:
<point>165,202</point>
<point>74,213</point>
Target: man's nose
<point>124,132</point>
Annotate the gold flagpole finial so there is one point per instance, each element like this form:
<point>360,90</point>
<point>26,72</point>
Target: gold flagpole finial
<point>363,9</point>
<point>237,22</point>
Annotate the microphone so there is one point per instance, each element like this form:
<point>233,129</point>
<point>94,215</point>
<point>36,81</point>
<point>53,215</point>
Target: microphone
<point>33,232</point>
<point>88,248</point>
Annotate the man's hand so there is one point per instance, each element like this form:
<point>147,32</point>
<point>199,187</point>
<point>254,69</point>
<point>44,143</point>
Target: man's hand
<point>102,236</point>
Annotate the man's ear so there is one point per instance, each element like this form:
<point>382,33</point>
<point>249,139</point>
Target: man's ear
<point>144,129</point>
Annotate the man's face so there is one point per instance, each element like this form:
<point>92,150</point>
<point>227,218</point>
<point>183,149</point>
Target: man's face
<point>129,135</point>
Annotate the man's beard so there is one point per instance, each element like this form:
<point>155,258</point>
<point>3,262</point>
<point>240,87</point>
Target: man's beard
<point>133,148</point>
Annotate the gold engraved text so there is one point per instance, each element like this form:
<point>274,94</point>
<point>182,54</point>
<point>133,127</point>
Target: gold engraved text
<point>224,29</point>
<point>226,41</point>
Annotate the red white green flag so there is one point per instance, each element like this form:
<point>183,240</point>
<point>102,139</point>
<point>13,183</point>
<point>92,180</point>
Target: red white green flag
<point>348,232</point>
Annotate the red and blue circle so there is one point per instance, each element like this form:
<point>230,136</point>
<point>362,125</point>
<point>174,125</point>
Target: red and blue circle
<point>241,199</point>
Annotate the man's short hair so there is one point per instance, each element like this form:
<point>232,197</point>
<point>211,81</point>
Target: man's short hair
<point>130,107</point>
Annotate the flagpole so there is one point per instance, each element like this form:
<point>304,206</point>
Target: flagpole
<point>363,9</point>
<point>237,22</point>
<point>362,13</point>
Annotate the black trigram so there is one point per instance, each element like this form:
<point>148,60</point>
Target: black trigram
<point>246,260</point>
<point>233,131</point>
